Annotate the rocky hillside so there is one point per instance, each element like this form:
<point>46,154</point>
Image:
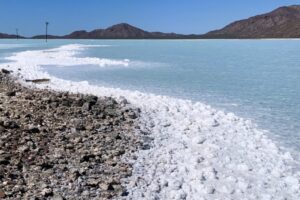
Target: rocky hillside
<point>283,22</point>
<point>123,31</point>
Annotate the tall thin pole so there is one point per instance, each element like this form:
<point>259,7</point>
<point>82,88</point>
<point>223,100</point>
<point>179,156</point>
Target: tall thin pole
<point>47,23</point>
<point>17,32</point>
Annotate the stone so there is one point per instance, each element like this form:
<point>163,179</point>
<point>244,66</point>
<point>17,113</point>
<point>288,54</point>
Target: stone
<point>91,99</point>
<point>34,130</point>
<point>132,115</point>
<point>47,192</point>
<point>92,182</point>
<point>5,71</point>
<point>4,161</point>
<point>57,197</point>
<point>2,194</point>
<point>11,93</point>
<point>2,129</point>
<point>86,106</point>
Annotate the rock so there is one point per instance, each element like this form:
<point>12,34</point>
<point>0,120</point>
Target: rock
<point>5,71</point>
<point>11,125</point>
<point>86,106</point>
<point>92,182</point>
<point>47,192</point>
<point>34,130</point>
<point>2,129</point>
<point>57,197</point>
<point>125,193</point>
<point>43,80</point>
<point>91,99</point>
<point>132,115</point>
<point>110,102</point>
<point>110,112</point>
<point>11,93</point>
<point>79,124</point>
<point>123,101</point>
<point>107,186</point>
<point>66,103</point>
<point>2,194</point>
<point>4,161</point>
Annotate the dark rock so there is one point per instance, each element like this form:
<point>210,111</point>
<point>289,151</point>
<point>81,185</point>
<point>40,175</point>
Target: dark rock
<point>4,160</point>
<point>125,193</point>
<point>2,129</point>
<point>66,103</point>
<point>11,125</point>
<point>33,130</point>
<point>145,146</point>
<point>43,80</point>
<point>86,158</point>
<point>11,93</point>
<point>5,71</point>
<point>91,99</point>
<point>110,187</point>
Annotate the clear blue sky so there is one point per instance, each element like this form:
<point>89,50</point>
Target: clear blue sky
<point>181,16</point>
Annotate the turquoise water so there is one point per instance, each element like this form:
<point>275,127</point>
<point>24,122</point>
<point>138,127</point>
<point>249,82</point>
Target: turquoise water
<point>256,79</point>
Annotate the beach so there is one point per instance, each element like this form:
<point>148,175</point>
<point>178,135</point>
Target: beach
<point>185,149</point>
<point>58,145</point>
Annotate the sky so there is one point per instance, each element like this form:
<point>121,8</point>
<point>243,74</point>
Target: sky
<point>180,16</point>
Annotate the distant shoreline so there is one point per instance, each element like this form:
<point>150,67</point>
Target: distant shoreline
<point>155,39</point>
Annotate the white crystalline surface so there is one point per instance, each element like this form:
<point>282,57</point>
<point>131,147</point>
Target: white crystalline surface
<point>64,56</point>
<point>197,152</point>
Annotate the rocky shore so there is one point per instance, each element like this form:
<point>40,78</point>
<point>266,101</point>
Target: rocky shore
<point>58,146</point>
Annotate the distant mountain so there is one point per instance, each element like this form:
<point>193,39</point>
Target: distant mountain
<point>283,22</point>
<point>124,31</point>
<point>7,36</point>
<point>44,37</point>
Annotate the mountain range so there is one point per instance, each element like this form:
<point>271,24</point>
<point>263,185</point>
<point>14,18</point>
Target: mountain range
<point>283,22</point>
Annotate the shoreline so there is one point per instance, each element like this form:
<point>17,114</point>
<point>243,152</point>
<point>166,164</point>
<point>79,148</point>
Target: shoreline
<point>61,145</point>
<point>196,150</point>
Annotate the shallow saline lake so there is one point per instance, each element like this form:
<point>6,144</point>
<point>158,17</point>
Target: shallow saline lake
<point>255,79</point>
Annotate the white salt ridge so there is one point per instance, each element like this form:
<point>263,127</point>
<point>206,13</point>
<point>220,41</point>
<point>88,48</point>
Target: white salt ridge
<point>197,151</point>
<point>65,56</point>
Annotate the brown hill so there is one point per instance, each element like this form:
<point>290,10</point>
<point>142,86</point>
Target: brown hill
<point>283,22</point>
<point>123,31</point>
<point>7,36</point>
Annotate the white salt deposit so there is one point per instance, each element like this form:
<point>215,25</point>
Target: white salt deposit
<point>64,56</point>
<point>197,152</point>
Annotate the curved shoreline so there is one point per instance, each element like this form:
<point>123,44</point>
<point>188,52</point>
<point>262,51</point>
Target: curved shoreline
<point>196,150</point>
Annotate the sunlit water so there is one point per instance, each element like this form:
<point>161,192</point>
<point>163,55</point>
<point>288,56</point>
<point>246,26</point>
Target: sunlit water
<point>256,79</point>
